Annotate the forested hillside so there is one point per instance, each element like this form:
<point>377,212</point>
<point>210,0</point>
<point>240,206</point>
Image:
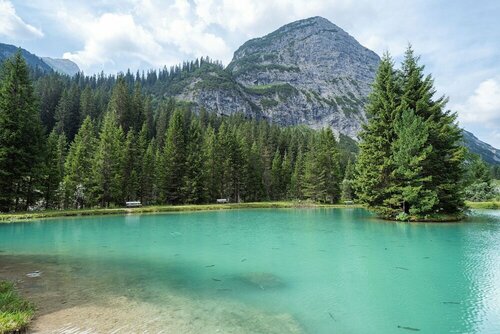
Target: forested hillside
<point>99,141</point>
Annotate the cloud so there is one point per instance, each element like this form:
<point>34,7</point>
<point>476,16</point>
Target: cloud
<point>112,37</point>
<point>483,105</point>
<point>12,26</point>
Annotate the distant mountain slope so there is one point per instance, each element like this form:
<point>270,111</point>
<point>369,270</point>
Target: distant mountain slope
<point>489,154</point>
<point>64,66</point>
<point>7,50</point>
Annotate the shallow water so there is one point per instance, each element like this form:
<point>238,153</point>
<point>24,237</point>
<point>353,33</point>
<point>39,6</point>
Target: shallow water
<point>287,270</point>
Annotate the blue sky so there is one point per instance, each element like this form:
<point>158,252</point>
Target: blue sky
<point>459,41</point>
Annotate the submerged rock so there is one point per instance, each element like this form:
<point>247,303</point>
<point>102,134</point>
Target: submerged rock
<point>261,280</point>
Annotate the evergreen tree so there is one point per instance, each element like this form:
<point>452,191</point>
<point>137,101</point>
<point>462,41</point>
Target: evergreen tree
<point>348,183</point>
<point>78,178</point>
<point>444,163</point>
<point>296,183</point>
<point>55,155</point>
<point>327,160</point>
<point>121,104</point>
<point>286,174</point>
<point>132,166</point>
<point>210,147</point>
<point>108,163</point>
<point>148,175</point>
<point>195,181</point>
<point>68,112</point>
<point>21,136</point>
<point>410,159</point>
<point>174,153</point>
<point>373,163</point>
<point>276,177</point>
<point>410,193</point>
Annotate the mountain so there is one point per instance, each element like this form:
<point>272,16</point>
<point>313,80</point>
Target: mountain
<point>489,154</point>
<point>63,66</point>
<point>306,72</point>
<point>7,50</point>
<point>44,64</point>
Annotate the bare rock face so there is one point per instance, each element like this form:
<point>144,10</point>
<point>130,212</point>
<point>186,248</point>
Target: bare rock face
<point>307,72</point>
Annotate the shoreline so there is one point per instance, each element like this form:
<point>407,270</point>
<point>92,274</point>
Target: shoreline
<point>6,218</point>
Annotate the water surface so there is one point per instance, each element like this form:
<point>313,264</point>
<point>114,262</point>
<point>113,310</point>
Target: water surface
<point>287,270</point>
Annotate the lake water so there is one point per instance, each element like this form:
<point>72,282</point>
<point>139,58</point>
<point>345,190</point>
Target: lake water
<point>258,271</point>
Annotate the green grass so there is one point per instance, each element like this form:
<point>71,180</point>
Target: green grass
<point>13,217</point>
<point>484,205</point>
<point>15,312</point>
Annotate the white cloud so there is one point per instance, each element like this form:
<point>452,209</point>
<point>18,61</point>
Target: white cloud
<point>483,105</point>
<point>12,26</point>
<point>112,37</point>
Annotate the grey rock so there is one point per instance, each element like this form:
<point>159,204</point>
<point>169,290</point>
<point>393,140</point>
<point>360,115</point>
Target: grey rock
<point>63,66</point>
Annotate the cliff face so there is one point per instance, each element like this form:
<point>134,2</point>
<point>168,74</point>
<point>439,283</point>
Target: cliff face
<point>307,72</point>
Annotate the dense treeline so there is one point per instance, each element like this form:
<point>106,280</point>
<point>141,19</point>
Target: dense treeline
<point>95,141</point>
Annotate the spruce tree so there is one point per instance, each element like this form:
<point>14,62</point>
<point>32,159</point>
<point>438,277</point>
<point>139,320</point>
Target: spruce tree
<point>195,180</point>
<point>78,178</point>
<point>410,192</point>
<point>276,177</point>
<point>21,136</point>
<point>444,163</point>
<point>108,163</point>
<point>174,155</point>
<point>373,164</point>
<point>148,175</point>
<point>53,169</point>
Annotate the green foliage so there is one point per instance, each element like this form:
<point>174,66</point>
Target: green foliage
<point>15,312</point>
<point>21,137</point>
<point>410,157</point>
<point>78,178</point>
<point>108,162</point>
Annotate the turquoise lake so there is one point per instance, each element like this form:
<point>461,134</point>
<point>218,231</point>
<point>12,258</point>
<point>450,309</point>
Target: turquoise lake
<point>301,270</point>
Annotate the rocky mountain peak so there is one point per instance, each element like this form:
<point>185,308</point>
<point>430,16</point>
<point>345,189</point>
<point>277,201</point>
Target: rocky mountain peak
<point>323,74</point>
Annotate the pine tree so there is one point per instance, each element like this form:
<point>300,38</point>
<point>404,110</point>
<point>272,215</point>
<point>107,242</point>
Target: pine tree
<point>121,104</point>
<point>195,180</point>
<point>108,163</point>
<point>327,160</point>
<point>174,153</point>
<point>78,178</point>
<point>276,177</point>
<point>131,166</point>
<point>286,174</point>
<point>88,105</point>
<point>410,191</point>
<point>373,163</point>
<point>21,137</point>
<point>148,175</point>
<point>53,169</point>
<point>348,183</point>
<point>68,112</point>
<point>296,183</point>
<point>210,147</point>
<point>444,164</point>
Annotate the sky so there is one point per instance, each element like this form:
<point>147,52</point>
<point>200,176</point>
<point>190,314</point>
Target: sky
<point>458,41</point>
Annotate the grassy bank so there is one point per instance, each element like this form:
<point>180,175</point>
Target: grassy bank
<point>484,205</point>
<point>15,312</point>
<point>12,217</point>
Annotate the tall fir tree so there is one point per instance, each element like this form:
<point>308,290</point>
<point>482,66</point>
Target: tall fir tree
<point>21,136</point>
<point>195,180</point>
<point>78,178</point>
<point>174,155</point>
<point>108,163</point>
